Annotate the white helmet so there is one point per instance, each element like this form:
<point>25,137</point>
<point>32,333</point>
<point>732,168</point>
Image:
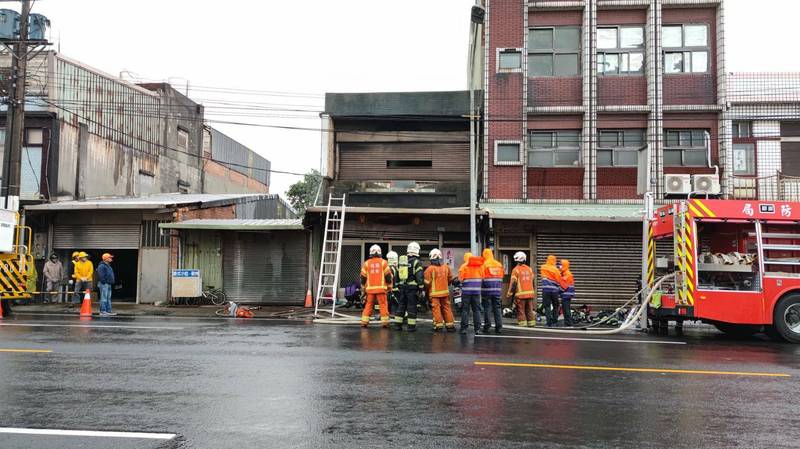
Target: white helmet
<point>436,254</point>
<point>374,250</point>
<point>393,258</point>
<point>413,249</point>
<point>520,257</point>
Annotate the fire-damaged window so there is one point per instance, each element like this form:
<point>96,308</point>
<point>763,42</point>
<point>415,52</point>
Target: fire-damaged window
<point>620,148</point>
<point>685,48</point>
<point>554,51</point>
<point>183,139</point>
<point>554,149</point>
<point>620,50</point>
<point>686,147</point>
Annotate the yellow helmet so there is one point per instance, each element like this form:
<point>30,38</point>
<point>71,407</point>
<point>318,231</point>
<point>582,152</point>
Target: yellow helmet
<point>76,254</point>
<point>82,254</point>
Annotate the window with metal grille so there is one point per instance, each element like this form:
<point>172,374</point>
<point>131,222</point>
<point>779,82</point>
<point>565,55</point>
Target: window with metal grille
<point>686,147</point>
<point>619,148</point>
<point>152,237</point>
<point>554,149</point>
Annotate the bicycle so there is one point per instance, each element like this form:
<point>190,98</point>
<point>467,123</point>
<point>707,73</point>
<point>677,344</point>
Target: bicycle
<point>216,296</point>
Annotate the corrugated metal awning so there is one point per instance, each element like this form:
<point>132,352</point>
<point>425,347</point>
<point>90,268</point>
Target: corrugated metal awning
<point>386,210</point>
<point>237,225</point>
<point>566,212</point>
<point>159,201</point>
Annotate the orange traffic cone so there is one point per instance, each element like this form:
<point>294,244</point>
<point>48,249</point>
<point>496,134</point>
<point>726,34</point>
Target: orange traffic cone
<point>86,307</point>
<point>309,302</point>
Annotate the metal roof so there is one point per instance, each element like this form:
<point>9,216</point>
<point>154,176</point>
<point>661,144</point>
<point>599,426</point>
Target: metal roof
<point>394,210</point>
<point>453,103</point>
<point>566,212</point>
<point>238,225</point>
<point>158,201</point>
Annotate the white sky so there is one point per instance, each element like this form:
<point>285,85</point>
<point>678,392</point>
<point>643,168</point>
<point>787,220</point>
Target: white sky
<point>317,46</point>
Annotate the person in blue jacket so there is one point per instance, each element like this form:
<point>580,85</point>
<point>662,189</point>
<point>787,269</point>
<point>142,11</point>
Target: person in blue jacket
<point>106,281</point>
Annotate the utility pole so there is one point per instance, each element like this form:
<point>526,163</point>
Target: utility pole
<point>477,18</point>
<point>15,121</point>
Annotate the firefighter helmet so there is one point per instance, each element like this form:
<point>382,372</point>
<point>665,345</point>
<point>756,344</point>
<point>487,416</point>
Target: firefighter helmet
<point>393,258</point>
<point>374,250</point>
<point>436,254</point>
<point>413,249</point>
<point>520,257</point>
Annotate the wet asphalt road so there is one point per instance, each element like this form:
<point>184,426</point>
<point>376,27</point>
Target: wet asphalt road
<point>231,384</point>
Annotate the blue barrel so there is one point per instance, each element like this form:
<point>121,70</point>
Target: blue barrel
<point>9,24</point>
<point>37,27</point>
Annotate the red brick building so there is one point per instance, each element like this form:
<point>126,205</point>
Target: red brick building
<point>578,97</point>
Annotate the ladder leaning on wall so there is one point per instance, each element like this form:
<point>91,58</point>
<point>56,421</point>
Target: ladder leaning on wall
<point>331,255</point>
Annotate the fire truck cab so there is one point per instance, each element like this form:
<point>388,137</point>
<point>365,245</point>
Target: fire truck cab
<point>736,265</point>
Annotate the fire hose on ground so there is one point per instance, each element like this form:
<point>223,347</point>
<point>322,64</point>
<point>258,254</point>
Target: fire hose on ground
<point>633,316</point>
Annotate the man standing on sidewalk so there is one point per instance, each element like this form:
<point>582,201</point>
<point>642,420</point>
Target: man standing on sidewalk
<point>84,271</point>
<point>54,275</point>
<point>106,281</point>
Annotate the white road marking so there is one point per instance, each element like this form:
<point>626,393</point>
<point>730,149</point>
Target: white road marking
<point>92,326</point>
<point>604,340</point>
<point>89,433</point>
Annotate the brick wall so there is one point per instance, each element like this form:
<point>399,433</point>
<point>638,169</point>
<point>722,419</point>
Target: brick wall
<point>505,101</point>
<point>555,91</point>
<point>555,183</point>
<point>622,90</point>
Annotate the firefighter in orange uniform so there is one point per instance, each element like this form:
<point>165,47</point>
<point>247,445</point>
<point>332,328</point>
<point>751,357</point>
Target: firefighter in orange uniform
<point>376,277</point>
<point>523,291</point>
<point>492,289</point>
<point>567,291</point>
<point>438,277</point>
<point>551,289</point>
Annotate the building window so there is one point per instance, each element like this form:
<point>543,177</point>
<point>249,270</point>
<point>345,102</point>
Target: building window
<point>744,159</point>
<point>554,51</point>
<point>686,147</point>
<point>507,153</point>
<point>620,50</point>
<point>620,148</point>
<point>742,130</point>
<point>554,149</point>
<point>685,48</point>
<point>183,139</point>
<point>509,60</point>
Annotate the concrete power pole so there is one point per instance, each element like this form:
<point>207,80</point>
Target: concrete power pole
<point>15,123</point>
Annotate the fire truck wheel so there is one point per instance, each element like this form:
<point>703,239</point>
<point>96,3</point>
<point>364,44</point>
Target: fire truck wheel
<point>787,318</point>
<point>773,333</point>
<point>737,330</point>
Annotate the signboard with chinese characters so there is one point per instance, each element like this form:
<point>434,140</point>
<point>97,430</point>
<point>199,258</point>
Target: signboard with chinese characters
<point>186,284</point>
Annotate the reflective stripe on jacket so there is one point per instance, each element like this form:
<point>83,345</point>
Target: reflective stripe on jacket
<point>521,284</point>
<point>375,271</point>
<point>471,276</point>
<point>437,279</point>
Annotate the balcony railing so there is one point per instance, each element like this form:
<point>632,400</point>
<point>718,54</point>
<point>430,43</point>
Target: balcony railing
<point>778,187</point>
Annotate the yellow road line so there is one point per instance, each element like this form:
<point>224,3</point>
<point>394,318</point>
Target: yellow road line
<point>28,351</point>
<point>631,370</point>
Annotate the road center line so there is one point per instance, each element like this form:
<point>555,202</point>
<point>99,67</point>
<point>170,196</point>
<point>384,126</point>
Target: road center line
<point>604,340</point>
<point>89,433</point>
<point>631,370</point>
<point>28,351</point>
<point>93,326</point>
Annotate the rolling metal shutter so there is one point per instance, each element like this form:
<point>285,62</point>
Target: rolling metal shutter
<point>367,161</point>
<point>265,268</point>
<point>606,267</point>
<point>96,237</point>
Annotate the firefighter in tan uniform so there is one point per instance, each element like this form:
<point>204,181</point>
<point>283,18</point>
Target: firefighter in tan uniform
<point>438,277</point>
<point>376,277</point>
<point>523,291</point>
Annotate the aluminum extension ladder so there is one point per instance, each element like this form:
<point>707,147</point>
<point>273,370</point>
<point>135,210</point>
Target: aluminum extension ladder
<point>331,256</point>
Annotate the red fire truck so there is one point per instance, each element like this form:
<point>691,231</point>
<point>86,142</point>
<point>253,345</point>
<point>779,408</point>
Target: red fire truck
<point>736,264</point>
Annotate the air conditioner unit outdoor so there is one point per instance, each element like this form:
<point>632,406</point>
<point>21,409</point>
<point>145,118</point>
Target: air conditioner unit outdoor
<point>678,184</point>
<point>708,184</point>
